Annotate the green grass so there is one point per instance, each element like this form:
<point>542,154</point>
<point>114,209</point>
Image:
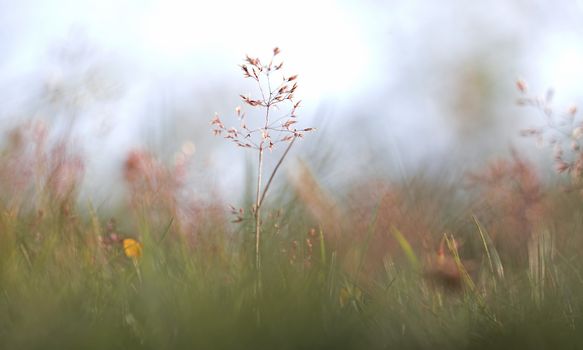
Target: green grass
<point>360,269</point>
<point>60,289</point>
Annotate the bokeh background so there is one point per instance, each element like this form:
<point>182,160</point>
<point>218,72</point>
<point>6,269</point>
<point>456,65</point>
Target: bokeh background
<point>394,87</point>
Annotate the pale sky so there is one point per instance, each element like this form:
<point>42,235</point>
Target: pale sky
<point>383,70</point>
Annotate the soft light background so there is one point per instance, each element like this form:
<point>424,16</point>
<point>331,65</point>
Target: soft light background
<point>391,85</point>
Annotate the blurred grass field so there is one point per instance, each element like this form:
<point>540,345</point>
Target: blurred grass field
<point>488,260</point>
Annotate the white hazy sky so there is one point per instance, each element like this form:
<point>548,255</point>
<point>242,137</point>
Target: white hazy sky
<point>322,39</point>
<point>388,66</point>
<point>341,48</point>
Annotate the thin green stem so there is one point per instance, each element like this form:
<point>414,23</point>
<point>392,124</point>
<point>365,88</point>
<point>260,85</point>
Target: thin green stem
<point>275,170</point>
<point>258,211</point>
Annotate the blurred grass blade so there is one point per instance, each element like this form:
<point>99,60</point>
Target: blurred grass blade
<point>452,246</point>
<point>167,230</point>
<point>406,247</point>
<point>370,232</point>
<point>494,261</point>
<point>322,248</point>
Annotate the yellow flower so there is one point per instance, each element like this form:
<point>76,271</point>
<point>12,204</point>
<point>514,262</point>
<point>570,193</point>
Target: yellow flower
<point>132,248</point>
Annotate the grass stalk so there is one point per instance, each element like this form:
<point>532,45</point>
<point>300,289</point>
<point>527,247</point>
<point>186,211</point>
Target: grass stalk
<point>258,212</point>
